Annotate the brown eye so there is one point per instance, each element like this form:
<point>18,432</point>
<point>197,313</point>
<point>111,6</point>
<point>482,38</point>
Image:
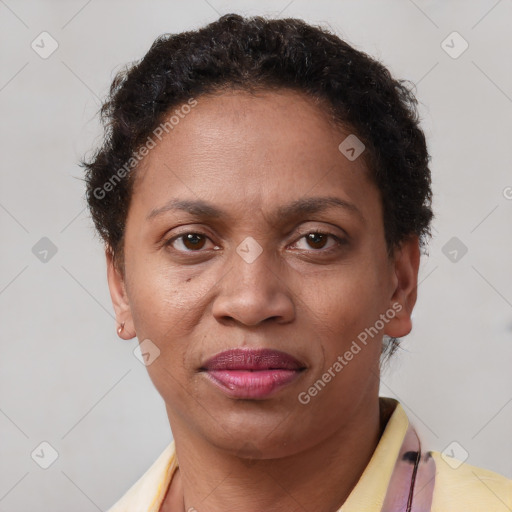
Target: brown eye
<point>189,242</point>
<point>193,241</point>
<point>317,240</point>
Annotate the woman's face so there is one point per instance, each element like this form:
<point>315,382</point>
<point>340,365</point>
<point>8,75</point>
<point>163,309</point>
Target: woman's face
<point>252,278</point>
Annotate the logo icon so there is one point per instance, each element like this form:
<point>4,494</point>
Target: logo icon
<point>44,250</point>
<point>351,147</point>
<point>454,455</point>
<point>454,249</point>
<point>44,455</point>
<point>454,45</point>
<point>44,45</point>
<point>249,250</point>
<point>146,352</point>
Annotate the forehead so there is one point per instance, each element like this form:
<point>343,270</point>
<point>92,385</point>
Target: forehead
<point>245,150</point>
<point>284,123</point>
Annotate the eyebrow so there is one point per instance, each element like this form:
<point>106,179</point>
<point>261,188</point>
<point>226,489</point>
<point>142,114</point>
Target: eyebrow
<point>306,205</point>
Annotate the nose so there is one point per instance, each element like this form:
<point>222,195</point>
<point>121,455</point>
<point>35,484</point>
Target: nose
<point>254,291</point>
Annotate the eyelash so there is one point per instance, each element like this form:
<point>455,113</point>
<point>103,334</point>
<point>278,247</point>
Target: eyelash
<point>339,241</point>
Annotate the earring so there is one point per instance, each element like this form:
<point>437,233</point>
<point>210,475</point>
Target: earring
<point>120,329</point>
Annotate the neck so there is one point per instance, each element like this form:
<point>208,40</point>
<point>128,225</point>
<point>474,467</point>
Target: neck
<point>320,477</point>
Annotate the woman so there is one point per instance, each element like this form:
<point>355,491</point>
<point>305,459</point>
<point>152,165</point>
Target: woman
<point>263,192</point>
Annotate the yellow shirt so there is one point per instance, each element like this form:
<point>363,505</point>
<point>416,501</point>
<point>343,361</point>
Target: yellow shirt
<point>464,489</point>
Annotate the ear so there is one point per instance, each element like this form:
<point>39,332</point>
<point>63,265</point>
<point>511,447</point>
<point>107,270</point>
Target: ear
<point>116,284</point>
<point>405,262</point>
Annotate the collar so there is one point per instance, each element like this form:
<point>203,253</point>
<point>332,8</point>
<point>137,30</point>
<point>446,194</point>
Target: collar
<point>369,494</point>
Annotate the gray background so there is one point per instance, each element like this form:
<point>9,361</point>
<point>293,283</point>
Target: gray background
<point>65,376</point>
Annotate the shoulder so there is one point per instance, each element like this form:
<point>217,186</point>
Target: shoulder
<point>147,493</point>
<point>461,487</point>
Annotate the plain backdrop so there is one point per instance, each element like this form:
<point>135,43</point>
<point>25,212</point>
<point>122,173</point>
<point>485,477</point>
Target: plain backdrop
<point>66,378</point>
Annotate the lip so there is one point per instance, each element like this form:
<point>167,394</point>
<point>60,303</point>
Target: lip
<point>252,373</point>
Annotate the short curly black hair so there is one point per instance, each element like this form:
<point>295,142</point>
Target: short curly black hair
<point>258,54</point>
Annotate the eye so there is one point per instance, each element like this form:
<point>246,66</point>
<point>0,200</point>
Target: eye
<point>318,240</point>
<point>195,241</point>
<point>191,241</point>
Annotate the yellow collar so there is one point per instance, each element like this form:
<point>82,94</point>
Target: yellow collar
<point>148,492</point>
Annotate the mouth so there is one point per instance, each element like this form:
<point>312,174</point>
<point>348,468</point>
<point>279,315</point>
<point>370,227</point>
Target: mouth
<point>250,373</point>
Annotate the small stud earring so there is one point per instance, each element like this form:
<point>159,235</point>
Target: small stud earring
<point>120,329</point>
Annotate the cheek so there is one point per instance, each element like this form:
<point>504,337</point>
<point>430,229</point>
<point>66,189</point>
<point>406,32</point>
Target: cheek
<point>164,301</point>
<point>168,307</point>
<point>163,306</point>
<point>348,299</point>
<point>347,360</point>
<point>345,310</point>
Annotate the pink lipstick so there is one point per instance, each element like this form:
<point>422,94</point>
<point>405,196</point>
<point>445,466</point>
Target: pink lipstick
<point>252,373</point>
